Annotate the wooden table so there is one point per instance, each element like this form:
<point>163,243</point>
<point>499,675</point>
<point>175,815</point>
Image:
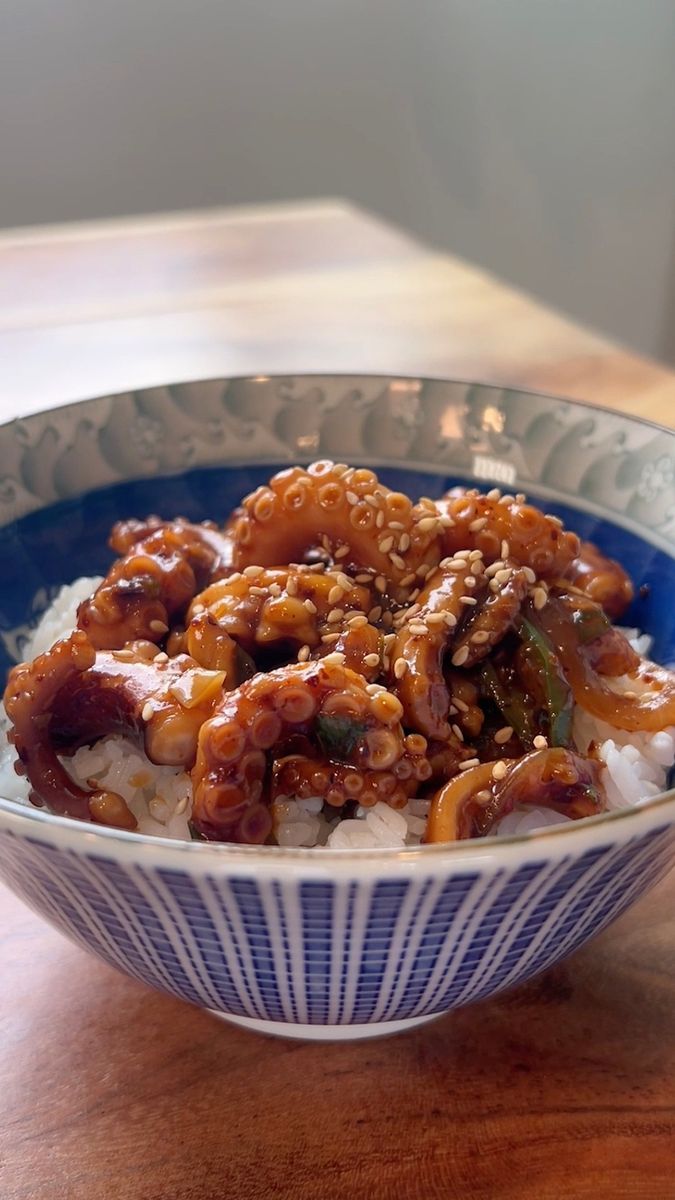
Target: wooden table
<point>565,1087</point>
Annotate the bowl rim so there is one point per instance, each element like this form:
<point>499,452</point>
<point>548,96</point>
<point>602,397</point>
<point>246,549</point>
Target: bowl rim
<point>383,376</point>
<point>553,842</point>
<point>568,837</point>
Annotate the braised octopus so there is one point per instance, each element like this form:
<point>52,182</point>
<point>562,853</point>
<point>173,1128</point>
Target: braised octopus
<point>337,640</point>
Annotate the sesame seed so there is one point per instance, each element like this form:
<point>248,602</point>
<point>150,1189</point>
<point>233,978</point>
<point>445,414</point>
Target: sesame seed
<point>303,654</point>
<point>457,732</point>
<point>426,524</point>
<point>379,520</point>
<point>162,658</point>
<point>362,578</point>
<point>252,572</point>
<point>386,544</point>
<point>554,520</point>
<point>478,524</point>
<point>400,668</point>
<point>494,494</point>
<point>387,620</point>
<point>460,656</point>
<point>499,770</point>
<point>310,606</point>
<point>380,583</point>
<point>414,594</point>
<point>358,621</point>
<point>344,580</point>
<point>275,589</point>
<point>372,660</point>
<point>520,497</point>
<point>540,742</point>
<point>480,637</point>
<point>470,581</point>
<point>388,639</point>
<point>158,627</point>
<point>408,579</point>
<point>470,600</point>
<point>437,618</point>
<point>375,613</point>
<point>507,498</point>
<point>375,689</point>
<point>404,542</point>
<point>335,615</point>
<point>483,796</point>
<point>336,593</point>
<point>148,710</point>
<point>446,521</point>
<point>460,705</point>
<point>335,659</point>
<point>398,562</point>
<point>499,565</point>
<point>504,575</point>
<point>257,591</point>
<point>450,619</point>
<point>329,638</point>
<point>351,498</point>
<point>503,735</point>
<point>539,598</point>
<point>341,552</point>
<point>469,763</point>
<point>370,499</point>
<point>529,575</point>
<point>418,629</point>
<point>506,549</point>
<point>452,711</point>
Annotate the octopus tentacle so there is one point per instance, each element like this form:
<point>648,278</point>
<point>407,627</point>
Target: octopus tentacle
<point>339,783</point>
<point>360,647</point>
<point>298,604</point>
<point>507,527</point>
<point>470,804</point>
<point>323,701</point>
<point>358,520</point>
<point>421,644</point>
<point>495,617</point>
<point>602,579</point>
<point>162,566</point>
<point>73,695</point>
<point>29,696</point>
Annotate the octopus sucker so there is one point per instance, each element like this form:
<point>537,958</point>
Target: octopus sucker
<point>327,704</point>
<point>350,514</point>
<point>507,528</point>
<point>340,642</point>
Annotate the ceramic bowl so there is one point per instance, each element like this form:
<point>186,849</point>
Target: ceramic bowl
<point>328,943</point>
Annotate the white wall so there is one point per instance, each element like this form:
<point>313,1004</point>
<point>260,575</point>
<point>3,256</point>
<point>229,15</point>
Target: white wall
<point>536,137</point>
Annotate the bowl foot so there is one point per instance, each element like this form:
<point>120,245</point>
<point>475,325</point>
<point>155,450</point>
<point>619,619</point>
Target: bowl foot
<point>325,1033</point>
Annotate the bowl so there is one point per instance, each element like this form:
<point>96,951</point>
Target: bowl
<point>329,943</point>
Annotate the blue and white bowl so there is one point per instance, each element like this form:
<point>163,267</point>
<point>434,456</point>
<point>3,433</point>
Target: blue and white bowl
<point>328,943</point>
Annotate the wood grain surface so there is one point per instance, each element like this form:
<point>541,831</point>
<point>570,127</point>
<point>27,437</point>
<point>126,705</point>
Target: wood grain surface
<point>564,1087</point>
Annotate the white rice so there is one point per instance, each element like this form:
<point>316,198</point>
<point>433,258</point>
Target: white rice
<point>636,769</point>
